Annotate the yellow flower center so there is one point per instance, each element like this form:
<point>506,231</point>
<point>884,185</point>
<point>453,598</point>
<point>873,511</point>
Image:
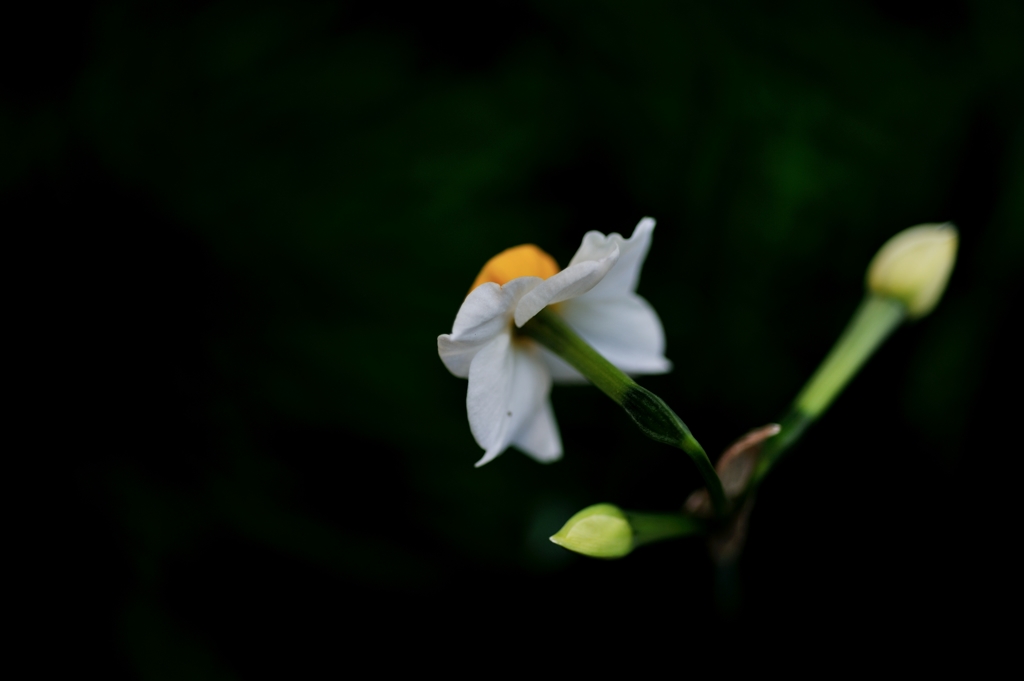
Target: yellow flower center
<point>519,261</point>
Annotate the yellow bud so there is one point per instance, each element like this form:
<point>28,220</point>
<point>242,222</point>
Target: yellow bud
<point>519,261</point>
<point>601,531</point>
<point>914,266</point>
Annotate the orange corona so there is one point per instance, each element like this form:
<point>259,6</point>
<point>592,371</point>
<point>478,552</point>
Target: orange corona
<point>519,261</point>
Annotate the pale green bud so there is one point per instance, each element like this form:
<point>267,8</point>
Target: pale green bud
<point>600,531</point>
<point>914,266</point>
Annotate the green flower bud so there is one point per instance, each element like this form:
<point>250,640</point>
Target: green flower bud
<point>600,531</point>
<point>914,266</point>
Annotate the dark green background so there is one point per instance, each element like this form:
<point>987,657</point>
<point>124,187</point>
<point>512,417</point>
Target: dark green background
<point>245,224</point>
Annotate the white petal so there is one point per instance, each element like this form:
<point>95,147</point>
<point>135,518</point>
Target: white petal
<point>490,388</point>
<point>508,386</point>
<point>625,330</point>
<point>625,276</point>
<point>539,437</point>
<point>486,312</point>
<point>573,281</point>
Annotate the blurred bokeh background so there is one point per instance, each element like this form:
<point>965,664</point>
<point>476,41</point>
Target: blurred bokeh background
<point>245,225</point>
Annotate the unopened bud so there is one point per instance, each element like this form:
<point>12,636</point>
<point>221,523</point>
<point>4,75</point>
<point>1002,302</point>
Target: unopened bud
<point>600,531</point>
<point>914,266</point>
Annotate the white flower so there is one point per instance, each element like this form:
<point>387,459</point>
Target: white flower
<point>509,374</point>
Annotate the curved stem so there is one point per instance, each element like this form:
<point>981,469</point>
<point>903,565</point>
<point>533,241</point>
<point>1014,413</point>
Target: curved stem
<point>650,413</point>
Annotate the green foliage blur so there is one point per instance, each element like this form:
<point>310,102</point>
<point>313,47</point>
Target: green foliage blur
<point>248,223</point>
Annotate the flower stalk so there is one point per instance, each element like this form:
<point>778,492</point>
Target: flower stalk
<point>650,413</point>
<point>651,527</point>
<point>871,324</point>
<point>905,280</point>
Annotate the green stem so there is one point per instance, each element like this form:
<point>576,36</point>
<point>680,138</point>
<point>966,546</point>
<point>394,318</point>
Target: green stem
<point>551,331</point>
<point>650,413</point>
<point>652,527</point>
<point>871,324</point>
<point>791,427</point>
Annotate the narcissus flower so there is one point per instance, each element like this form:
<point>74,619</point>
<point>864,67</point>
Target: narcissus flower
<point>509,374</point>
